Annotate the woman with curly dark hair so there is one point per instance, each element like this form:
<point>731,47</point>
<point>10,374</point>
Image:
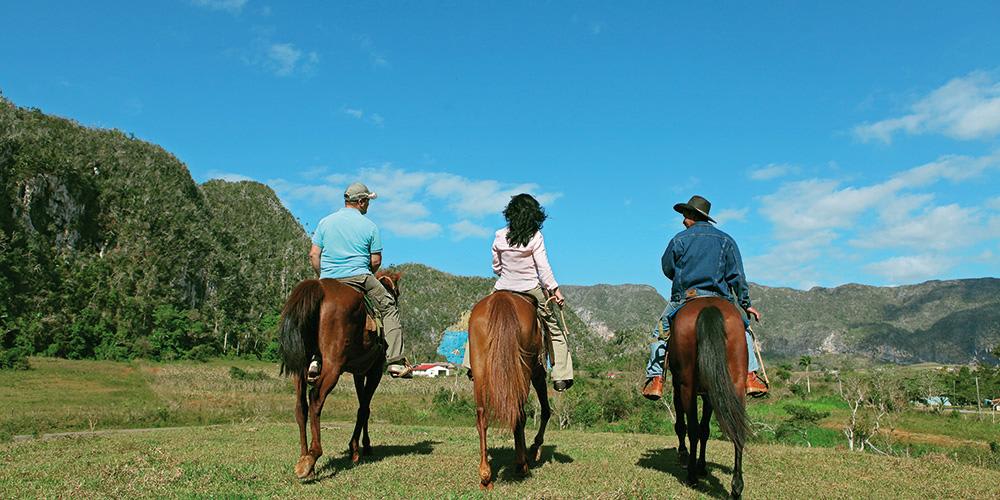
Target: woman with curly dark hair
<point>520,261</point>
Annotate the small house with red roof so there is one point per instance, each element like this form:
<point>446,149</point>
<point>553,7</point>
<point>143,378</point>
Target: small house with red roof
<point>432,370</point>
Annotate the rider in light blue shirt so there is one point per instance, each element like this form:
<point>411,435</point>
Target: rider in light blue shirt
<point>347,239</point>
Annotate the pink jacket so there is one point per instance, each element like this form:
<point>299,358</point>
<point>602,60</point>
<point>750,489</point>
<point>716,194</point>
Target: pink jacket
<point>521,268</point>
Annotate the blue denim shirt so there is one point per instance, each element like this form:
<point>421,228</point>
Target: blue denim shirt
<point>705,259</point>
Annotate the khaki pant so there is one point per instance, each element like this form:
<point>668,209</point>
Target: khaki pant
<point>563,368</point>
<point>386,305</point>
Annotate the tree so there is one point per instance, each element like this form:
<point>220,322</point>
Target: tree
<point>806,362</point>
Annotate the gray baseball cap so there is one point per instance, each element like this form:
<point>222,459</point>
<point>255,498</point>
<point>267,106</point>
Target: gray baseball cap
<point>358,192</point>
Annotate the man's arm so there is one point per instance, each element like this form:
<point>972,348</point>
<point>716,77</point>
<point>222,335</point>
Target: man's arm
<point>376,262</point>
<point>735,277</point>
<point>314,257</point>
<point>667,261</point>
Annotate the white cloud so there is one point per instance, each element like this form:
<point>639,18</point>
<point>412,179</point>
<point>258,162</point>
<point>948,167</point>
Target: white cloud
<point>936,228</point>
<point>810,217</point>
<point>376,57</point>
<point>772,171</point>
<point>466,229</point>
<point>993,203</point>
<point>359,114</point>
<point>231,6</point>
<point>731,215</point>
<point>911,268</point>
<point>227,176</point>
<point>406,198</point>
<point>283,59</point>
<point>413,229</point>
<point>964,108</point>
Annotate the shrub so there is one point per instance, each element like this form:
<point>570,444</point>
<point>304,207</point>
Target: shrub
<point>450,404</point>
<point>237,373</point>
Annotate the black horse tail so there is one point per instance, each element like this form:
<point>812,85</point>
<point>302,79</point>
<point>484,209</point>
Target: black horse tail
<point>713,372</point>
<point>506,367</point>
<point>299,327</point>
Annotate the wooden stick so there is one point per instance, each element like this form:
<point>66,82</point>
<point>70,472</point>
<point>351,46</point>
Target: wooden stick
<point>760,358</point>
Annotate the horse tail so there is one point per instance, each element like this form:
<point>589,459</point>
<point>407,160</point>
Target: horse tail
<point>299,327</point>
<point>713,372</point>
<point>507,385</point>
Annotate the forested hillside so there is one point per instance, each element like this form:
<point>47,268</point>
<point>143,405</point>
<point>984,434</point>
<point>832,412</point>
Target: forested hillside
<point>111,250</point>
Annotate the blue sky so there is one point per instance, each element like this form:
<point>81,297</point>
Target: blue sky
<point>842,142</point>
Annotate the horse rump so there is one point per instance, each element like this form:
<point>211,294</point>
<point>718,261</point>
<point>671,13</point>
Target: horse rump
<point>507,377</point>
<point>299,326</point>
<point>713,373</point>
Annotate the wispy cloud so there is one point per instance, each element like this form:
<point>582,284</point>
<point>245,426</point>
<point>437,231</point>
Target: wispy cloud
<point>772,171</point>
<point>810,218</point>
<point>964,108</point>
<point>231,6</point>
<point>406,198</point>
<point>285,59</point>
<point>466,229</point>
<point>731,215</point>
<point>359,114</point>
<point>911,268</point>
<point>376,57</point>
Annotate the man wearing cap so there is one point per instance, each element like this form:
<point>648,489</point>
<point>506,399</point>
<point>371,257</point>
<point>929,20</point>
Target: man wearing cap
<point>700,260</point>
<point>347,247</point>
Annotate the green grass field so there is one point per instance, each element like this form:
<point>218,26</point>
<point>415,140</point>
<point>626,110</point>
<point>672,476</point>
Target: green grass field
<point>425,461</point>
<point>423,446</point>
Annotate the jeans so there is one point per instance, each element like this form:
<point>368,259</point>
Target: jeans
<point>658,349</point>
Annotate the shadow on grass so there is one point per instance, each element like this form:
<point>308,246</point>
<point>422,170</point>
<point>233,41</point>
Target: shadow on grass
<point>665,460</point>
<point>335,465</point>
<point>504,459</point>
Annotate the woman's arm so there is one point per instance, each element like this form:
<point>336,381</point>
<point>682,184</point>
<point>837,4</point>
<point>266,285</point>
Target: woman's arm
<point>545,274</point>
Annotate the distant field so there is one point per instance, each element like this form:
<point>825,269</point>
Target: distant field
<point>425,461</point>
<point>62,395</point>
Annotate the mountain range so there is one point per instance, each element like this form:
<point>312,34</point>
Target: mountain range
<point>111,250</point>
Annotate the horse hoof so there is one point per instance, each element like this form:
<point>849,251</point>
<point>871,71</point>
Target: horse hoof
<point>535,453</point>
<point>305,466</point>
<point>355,458</point>
<point>487,486</point>
<point>522,469</point>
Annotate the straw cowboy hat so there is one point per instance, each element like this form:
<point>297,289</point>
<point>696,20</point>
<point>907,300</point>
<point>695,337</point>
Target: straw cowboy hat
<point>697,205</point>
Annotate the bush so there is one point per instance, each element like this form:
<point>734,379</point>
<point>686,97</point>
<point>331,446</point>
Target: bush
<point>450,404</point>
<point>201,353</point>
<point>14,359</point>
<point>237,373</point>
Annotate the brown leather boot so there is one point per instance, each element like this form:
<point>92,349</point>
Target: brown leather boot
<point>756,387</point>
<point>653,390</point>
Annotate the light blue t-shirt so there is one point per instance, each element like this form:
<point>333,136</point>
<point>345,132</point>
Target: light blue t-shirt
<point>347,239</point>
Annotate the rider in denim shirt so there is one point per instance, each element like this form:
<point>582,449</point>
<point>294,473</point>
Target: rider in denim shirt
<point>700,260</point>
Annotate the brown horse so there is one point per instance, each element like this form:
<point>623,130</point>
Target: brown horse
<point>506,351</point>
<point>327,318</point>
<point>708,356</point>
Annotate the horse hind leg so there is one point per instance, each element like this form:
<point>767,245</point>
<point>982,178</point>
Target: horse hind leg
<point>361,419</point>
<point>371,384</point>
<point>680,427</point>
<point>693,431</point>
<point>520,450</point>
<point>327,381</point>
<point>304,467</point>
<point>541,390</point>
<point>485,473</point>
<point>704,431</point>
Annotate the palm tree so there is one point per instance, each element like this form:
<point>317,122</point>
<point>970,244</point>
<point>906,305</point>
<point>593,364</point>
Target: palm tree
<point>806,362</point>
